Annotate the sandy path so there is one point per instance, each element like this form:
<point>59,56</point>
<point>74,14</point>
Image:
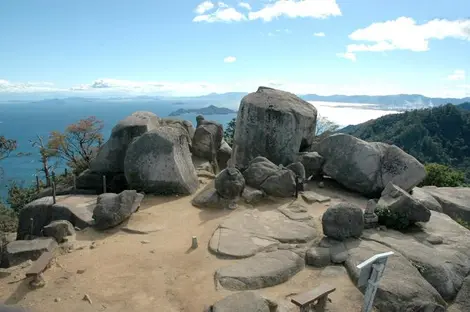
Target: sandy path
<point>161,274</point>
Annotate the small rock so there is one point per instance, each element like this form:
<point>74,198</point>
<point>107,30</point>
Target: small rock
<point>321,184</point>
<point>152,251</point>
<point>57,300</point>
<point>435,239</point>
<point>37,282</point>
<point>145,241</point>
<point>318,257</point>
<point>81,271</point>
<point>338,253</point>
<point>59,229</point>
<point>93,245</point>
<point>87,298</point>
<point>342,221</point>
<point>312,197</point>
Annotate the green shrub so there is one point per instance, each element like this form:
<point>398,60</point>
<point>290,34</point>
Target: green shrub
<point>229,132</point>
<point>441,175</point>
<point>392,219</point>
<point>463,223</point>
<point>19,196</point>
<point>8,219</point>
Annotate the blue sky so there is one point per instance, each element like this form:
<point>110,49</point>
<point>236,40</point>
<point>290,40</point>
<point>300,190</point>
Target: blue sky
<point>190,47</point>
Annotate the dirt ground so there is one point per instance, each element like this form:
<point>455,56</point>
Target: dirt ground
<point>158,271</point>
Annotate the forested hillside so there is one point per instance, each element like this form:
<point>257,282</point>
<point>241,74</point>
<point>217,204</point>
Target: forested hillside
<point>436,135</point>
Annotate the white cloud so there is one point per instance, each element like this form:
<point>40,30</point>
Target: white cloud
<point>222,5</point>
<point>245,5</point>
<point>297,8</point>
<point>204,7</point>
<point>319,34</point>
<point>230,59</point>
<point>458,74</point>
<point>347,55</point>
<point>221,15</point>
<point>405,34</point>
<point>26,87</point>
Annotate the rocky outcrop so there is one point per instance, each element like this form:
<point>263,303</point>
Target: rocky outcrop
<point>342,221</point>
<point>59,230</point>
<point>208,197</point>
<point>273,180</point>
<point>260,271</point>
<point>39,213</point>
<point>318,257</point>
<point>230,183</point>
<point>426,199</point>
<point>444,265</point>
<point>313,163</point>
<point>462,301</point>
<point>274,124</point>
<point>402,204</point>
<point>368,167</point>
<point>112,209</point>
<point>111,155</point>
<point>247,232</point>
<point>245,301</point>
<point>159,162</point>
<point>22,250</point>
<point>455,201</point>
<point>402,288</point>
<point>207,139</point>
<point>252,195</point>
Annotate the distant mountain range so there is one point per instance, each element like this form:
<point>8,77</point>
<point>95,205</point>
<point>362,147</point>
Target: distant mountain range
<point>209,110</point>
<point>232,100</point>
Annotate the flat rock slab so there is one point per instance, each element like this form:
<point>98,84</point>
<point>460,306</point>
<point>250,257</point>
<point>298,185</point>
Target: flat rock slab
<point>20,251</point>
<point>260,271</point>
<point>295,211</point>
<point>227,242</point>
<point>311,197</point>
<point>455,201</point>
<point>247,232</point>
<point>245,301</point>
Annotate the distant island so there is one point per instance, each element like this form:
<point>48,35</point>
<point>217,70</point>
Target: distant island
<point>209,110</point>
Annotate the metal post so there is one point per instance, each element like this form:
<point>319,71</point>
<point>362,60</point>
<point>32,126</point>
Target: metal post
<point>296,186</point>
<point>37,183</point>
<point>194,243</point>
<point>104,184</point>
<point>53,177</point>
<point>53,192</point>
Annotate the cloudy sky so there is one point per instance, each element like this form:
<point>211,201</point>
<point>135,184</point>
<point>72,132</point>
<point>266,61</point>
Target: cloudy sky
<point>191,47</point>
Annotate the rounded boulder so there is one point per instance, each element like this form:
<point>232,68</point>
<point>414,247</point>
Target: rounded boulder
<point>230,183</point>
<point>342,221</point>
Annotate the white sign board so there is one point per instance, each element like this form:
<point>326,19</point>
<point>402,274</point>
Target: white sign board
<point>366,267</point>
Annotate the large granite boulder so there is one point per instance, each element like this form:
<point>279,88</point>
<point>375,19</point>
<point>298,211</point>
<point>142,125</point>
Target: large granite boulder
<point>59,229</point>
<point>230,183</point>
<point>273,180</point>
<point>159,162</point>
<point>184,125</point>
<point>112,209</point>
<point>208,197</point>
<point>402,204</point>
<point>426,199</point>
<point>207,139</point>
<point>245,301</point>
<point>298,169</point>
<point>313,163</point>
<point>39,213</point>
<point>402,288</point>
<point>455,201</point>
<point>22,250</point>
<point>342,221</point>
<point>111,155</point>
<point>368,167</point>
<point>263,270</point>
<point>274,124</point>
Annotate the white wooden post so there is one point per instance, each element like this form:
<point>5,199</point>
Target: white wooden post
<point>371,271</point>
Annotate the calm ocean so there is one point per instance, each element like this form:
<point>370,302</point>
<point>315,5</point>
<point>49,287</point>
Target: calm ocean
<point>23,122</point>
